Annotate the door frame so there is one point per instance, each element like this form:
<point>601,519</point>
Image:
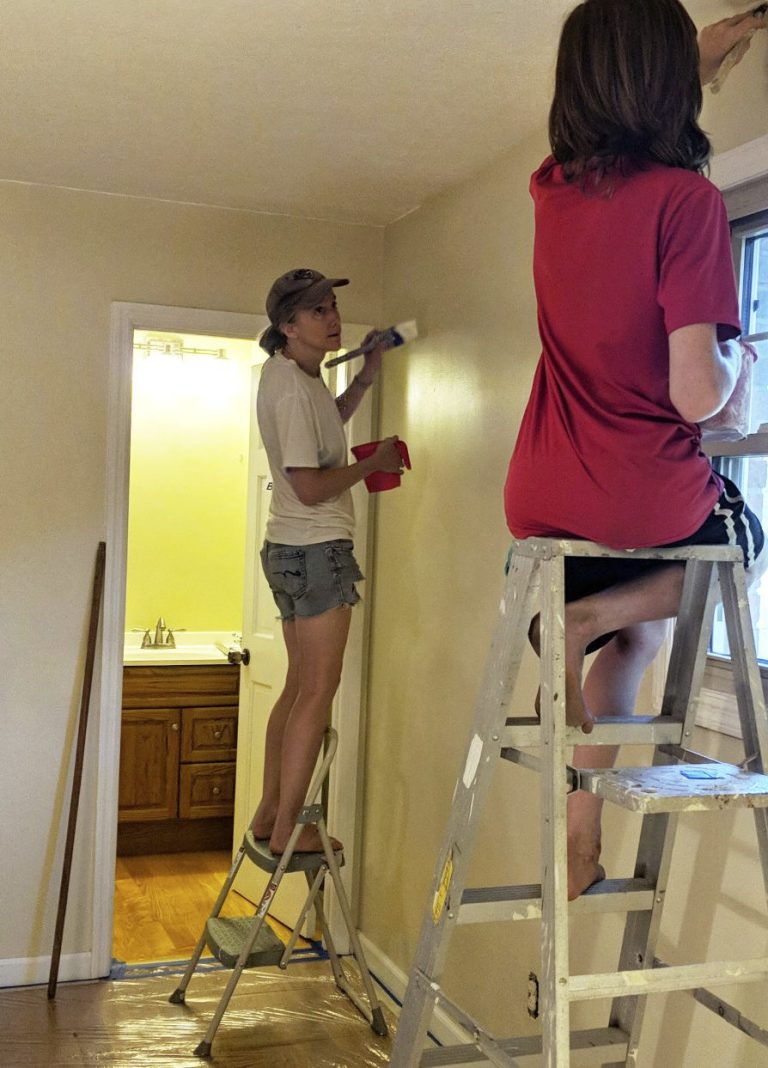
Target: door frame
<point>125,319</point>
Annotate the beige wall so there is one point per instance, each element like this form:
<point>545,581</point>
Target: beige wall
<point>67,256</point>
<point>461,266</point>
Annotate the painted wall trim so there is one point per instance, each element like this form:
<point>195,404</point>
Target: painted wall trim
<point>32,971</point>
<point>125,318</point>
<point>741,164</point>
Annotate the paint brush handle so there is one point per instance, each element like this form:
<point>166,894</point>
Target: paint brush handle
<point>390,338</point>
<point>360,351</point>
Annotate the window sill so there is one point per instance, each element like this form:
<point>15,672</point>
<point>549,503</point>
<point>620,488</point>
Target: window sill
<point>717,709</point>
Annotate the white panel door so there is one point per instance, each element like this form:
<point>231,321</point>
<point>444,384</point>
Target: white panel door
<point>261,680</point>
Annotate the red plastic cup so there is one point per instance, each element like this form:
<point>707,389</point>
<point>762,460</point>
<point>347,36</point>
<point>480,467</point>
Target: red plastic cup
<point>381,480</point>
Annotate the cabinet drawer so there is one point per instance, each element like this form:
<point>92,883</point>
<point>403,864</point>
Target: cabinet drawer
<point>208,734</point>
<point>167,686</point>
<point>206,790</point>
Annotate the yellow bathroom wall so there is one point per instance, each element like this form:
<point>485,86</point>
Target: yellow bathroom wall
<point>189,460</point>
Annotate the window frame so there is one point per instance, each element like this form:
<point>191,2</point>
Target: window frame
<point>717,701</point>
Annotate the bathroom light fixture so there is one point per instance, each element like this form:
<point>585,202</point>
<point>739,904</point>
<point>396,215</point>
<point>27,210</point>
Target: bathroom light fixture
<point>174,346</point>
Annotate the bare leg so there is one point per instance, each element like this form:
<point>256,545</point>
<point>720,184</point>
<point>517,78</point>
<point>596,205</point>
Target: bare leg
<point>264,819</point>
<point>610,690</point>
<point>321,641</point>
<point>641,600</point>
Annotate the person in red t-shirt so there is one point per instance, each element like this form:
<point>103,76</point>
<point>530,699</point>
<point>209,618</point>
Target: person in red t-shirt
<point>638,316</point>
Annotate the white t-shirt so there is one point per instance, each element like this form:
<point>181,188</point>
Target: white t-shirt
<point>301,427</point>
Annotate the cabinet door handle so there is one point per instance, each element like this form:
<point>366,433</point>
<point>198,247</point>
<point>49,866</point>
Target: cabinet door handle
<point>174,726</point>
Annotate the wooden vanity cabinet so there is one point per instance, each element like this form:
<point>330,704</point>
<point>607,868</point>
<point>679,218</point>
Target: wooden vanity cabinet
<point>177,758</point>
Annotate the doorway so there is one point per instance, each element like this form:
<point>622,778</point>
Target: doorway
<point>187,500</point>
<point>143,335</point>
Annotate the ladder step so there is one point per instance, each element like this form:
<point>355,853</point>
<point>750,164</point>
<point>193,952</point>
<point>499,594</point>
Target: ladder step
<point>227,935</point>
<point>643,981</point>
<point>490,904</point>
<point>524,732</point>
<point>259,852</point>
<point>677,787</point>
<point>589,1047</point>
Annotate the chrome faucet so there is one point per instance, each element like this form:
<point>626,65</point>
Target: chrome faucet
<point>159,642</point>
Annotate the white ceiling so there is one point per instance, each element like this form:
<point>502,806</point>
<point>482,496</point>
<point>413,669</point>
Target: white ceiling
<point>351,110</point>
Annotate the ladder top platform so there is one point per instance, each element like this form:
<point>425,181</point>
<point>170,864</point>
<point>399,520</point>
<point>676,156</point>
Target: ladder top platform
<point>257,850</point>
<point>547,548</point>
<point>678,787</point>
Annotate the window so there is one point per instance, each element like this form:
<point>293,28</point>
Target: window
<point>746,462</point>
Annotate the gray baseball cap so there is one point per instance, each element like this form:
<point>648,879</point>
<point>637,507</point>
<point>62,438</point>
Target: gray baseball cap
<point>299,288</point>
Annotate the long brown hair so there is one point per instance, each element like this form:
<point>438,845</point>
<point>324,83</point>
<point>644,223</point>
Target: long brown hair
<point>627,89</point>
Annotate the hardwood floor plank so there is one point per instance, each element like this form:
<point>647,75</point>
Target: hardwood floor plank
<point>163,900</point>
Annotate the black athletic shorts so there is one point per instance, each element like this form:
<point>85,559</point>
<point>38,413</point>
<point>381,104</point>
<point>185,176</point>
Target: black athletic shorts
<point>731,522</point>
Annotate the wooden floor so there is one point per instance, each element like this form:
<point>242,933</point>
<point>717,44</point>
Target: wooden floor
<point>162,902</point>
<point>297,1019</point>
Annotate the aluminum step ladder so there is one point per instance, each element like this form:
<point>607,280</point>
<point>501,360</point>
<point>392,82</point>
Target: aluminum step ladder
<point>679,780</point>
<point>248,942</point>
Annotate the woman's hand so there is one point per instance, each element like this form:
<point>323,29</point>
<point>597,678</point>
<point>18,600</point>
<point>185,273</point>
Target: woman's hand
<point>372,364</point>
<point>387,457</point>
<point>717,40</point>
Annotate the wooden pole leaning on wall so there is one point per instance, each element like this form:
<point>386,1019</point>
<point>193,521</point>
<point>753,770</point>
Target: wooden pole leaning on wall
<point>98,591</point>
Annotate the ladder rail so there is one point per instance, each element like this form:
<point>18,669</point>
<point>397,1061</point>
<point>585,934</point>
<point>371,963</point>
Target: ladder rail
<point>554,850</point>
<point>658,832</point>
<point>517,608</point>
<point>749,690</point>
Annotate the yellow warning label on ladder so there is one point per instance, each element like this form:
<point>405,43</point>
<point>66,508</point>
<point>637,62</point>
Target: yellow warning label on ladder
<point>443,887</point>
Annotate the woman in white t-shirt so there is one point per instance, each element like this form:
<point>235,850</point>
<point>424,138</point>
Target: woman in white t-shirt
<point>307,556</point>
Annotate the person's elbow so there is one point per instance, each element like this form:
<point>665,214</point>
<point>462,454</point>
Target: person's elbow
<point>696,405</point>
<point>701,375</point>
<point>307,486</point>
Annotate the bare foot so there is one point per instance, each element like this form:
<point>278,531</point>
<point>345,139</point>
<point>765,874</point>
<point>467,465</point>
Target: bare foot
<point>263,823</point>
<point>576,640</point>
<point>309,841</point>
<point>583,867</point>
<point>576,712</point>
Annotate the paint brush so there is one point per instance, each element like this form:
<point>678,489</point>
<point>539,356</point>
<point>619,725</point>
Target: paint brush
<point>735,54</point>
<point>391,339</point>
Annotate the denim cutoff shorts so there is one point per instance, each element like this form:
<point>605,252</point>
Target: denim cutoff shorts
<point>307,580</point>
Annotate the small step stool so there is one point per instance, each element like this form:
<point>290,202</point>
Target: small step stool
<point>680,780</point>
<point>248,942</point>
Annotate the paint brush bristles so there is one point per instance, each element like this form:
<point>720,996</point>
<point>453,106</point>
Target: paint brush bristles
<point>391,339</point>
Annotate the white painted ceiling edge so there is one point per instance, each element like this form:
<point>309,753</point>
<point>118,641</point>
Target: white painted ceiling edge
<point>344,110</point>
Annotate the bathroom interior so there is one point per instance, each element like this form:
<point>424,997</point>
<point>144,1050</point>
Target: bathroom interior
<point>190,425</point>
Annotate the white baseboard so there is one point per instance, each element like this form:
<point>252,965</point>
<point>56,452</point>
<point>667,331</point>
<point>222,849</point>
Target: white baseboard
<point>32,971</point>
<point>395,980</point>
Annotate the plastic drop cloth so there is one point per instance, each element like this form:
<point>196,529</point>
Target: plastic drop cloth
<point>293,1019</point>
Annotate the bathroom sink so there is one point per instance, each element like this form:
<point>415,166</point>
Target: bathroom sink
<point>182,654</point>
